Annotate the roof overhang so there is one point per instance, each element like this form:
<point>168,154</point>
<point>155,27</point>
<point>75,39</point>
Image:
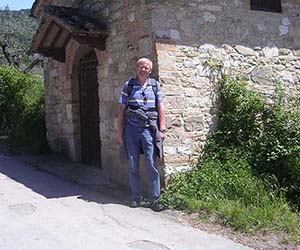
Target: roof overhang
<point>60,25</point>
<point>38,6</point>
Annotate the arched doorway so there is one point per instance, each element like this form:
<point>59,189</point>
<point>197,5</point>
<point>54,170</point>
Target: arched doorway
<point>89,110</point>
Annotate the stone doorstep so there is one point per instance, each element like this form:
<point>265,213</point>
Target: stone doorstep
<point>91,177</point>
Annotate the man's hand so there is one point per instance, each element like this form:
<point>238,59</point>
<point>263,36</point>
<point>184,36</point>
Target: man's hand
<point>121,113</point>
<point>120,139</point>
<point>162,135</point>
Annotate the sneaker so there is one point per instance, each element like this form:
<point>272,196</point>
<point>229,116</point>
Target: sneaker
<point>134,204</point>
<point>157,207</point>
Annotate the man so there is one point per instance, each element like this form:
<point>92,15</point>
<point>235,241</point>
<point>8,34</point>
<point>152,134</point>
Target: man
<point>141,122</point>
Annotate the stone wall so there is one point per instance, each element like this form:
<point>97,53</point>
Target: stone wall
<point>57,97</point>
<point>262,46</point>
<point>130,37</point>
<point>179,36</point>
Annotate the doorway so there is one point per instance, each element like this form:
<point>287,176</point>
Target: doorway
<point>89,110</point>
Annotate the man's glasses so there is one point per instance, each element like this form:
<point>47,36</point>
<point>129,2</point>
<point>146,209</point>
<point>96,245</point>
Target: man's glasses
<point>144,97</point>
<point>144,67</point>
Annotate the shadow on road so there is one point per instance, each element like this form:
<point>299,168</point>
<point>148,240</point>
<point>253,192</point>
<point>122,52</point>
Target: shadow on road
<point>56,185</point>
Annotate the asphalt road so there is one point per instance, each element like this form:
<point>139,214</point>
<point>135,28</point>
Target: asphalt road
<point>40,211</point>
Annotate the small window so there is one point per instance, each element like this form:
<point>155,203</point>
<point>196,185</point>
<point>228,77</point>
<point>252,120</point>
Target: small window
<point>266,5</point>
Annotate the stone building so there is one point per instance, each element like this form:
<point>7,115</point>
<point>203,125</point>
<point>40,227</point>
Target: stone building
<point>91,47</point>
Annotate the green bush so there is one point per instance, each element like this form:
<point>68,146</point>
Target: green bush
<point>267,131</point>
<point>22,111</point>
<point>249,172</point>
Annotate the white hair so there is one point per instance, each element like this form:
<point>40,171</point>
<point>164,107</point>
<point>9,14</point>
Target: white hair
<point>145,60</point>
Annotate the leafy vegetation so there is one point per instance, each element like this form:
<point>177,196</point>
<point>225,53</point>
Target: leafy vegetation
<point>16,32</point>
<point>249,173</point>
<point>21,96</point>
<point>22,111</point>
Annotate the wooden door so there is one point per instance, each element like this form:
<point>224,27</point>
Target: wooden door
<point>89,110</point>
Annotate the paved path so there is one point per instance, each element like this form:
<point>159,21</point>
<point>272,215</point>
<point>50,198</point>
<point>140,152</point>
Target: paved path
<point>39,211</point>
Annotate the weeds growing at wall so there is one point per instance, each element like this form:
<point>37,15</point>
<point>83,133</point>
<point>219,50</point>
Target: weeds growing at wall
<point>22,110</point>
<point>249,173</point>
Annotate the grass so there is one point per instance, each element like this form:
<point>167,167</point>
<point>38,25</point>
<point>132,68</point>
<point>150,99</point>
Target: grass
<point>270,215</point>
<point>248,175</point>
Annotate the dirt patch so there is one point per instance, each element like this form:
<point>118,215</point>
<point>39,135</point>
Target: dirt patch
<point>258,241</point>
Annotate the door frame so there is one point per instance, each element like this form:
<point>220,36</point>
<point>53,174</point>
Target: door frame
<point>75,143</point>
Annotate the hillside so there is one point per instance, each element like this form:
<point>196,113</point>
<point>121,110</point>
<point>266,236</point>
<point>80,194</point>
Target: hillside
<point>16,31</point>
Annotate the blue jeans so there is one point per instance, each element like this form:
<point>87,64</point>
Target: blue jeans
<point>136,138</point>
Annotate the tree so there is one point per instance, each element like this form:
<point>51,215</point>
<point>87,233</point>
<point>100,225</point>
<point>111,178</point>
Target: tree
<point>16,31</point>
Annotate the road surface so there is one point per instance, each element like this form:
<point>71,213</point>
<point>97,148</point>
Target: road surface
<point>40,211</point>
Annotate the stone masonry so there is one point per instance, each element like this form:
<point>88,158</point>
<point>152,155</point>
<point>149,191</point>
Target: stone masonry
<point>180,36</point>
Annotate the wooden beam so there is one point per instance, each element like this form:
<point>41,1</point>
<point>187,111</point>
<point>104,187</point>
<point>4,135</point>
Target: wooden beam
<point>57,35</point>
<point>57,54</point>
<point>95,41</point>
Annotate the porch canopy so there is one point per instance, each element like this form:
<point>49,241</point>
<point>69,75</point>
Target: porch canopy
<point>61,24</point>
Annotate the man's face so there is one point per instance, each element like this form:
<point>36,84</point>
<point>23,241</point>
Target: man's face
<point>143,70</point>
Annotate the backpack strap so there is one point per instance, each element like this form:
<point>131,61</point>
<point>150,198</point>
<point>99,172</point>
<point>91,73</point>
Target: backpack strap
<point>153,84</point>
<point>130,86</point>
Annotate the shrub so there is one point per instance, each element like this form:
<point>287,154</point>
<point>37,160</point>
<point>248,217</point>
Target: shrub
<point>267,131</point>
<point>22,110</point>
<point>249,172</point>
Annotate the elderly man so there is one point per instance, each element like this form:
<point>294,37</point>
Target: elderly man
<point>141,125</point>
